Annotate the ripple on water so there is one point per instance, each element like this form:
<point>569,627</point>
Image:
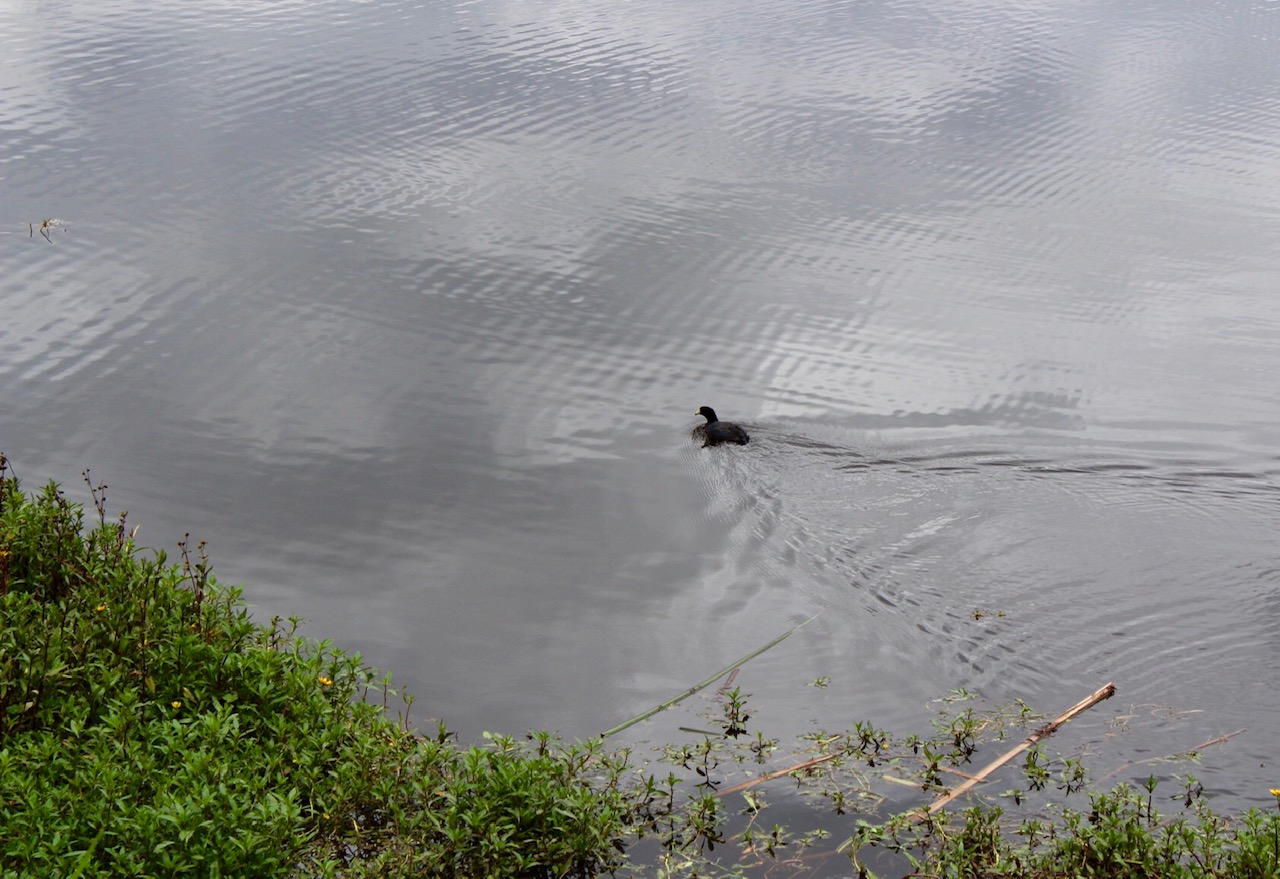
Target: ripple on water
<point>987,284</point>
<point>1015,568</point>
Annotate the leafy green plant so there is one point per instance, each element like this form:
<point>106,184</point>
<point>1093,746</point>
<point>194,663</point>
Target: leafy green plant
<point>1121,835</point>
<point>148,726</point>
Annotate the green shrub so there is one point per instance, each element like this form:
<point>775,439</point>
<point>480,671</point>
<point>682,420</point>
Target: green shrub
<point>149,727</point>
<point>1121,836</point>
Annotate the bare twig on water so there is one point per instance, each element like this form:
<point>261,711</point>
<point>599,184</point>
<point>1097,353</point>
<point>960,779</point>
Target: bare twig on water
<point>711,680</point>
<point>43,227</point>
<point>779,773</point>
<point>1042,733</point>
<point>1216,740</point>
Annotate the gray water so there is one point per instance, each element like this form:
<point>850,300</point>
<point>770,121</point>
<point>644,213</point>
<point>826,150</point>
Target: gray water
<point>406,309</point>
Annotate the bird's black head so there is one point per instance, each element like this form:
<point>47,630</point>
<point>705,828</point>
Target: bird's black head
<point>708,413</point>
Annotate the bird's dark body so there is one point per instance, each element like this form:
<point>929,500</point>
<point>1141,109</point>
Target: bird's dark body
<point>716,432</point>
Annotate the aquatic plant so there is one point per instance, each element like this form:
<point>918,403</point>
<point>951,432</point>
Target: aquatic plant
<point>150,726</point>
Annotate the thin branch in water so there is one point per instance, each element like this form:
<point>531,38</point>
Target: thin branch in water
<point>1043,732</point>
<point>708,682</point>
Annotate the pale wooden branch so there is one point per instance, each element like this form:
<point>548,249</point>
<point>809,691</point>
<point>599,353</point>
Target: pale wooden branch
<point>1042,733</point>
<point>1217,740</point>
<point>770,776</point>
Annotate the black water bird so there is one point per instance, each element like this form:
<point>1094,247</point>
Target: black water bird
<point>715,431</point>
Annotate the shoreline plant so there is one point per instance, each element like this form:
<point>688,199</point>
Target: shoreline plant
<point>149,726</point>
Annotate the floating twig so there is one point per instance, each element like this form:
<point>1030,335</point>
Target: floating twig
<point>770,776</point>
<point>1042,733</point>
<point>43,228</point>
<point>709,681</point>
<point>1217,740</point>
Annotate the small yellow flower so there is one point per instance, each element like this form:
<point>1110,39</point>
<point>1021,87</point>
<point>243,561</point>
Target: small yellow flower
<point>1275,792</point>
<point>328,682</point>
<point>177,703</point>
<point>100,608</point>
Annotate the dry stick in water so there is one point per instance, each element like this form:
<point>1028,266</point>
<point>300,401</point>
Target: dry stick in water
<point>711,680</point>
<point>770,776</point>
<point>1042,733</point>
<point>1217,740</point>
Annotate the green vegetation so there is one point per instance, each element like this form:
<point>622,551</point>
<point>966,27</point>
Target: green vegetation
<point>150,727</point>
<point>1121,836</point>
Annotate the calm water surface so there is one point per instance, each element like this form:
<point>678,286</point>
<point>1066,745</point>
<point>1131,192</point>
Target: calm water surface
<point>406,309</point>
